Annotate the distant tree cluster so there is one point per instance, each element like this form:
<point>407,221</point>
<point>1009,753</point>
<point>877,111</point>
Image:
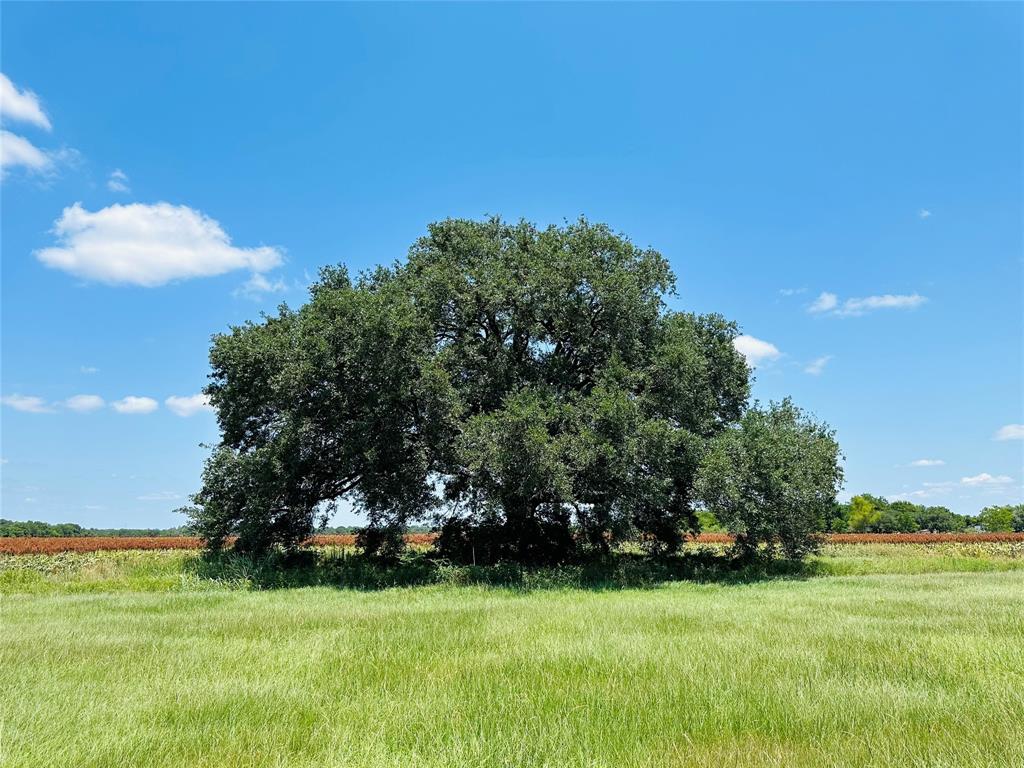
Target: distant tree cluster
<point>865,513</point>
<point>525,391</point>
<point>35,528</point>
<point>1002,519</point>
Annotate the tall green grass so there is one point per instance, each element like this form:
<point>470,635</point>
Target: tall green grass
<point>887,669</point>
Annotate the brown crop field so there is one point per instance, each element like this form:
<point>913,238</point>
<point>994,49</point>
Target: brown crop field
<point>51,545</point>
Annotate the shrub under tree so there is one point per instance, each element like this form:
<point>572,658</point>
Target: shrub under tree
<point>527,390</point>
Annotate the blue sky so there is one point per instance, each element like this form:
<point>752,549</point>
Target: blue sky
<point>845,181</point>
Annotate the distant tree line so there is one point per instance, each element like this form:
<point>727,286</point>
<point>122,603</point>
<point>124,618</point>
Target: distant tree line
<point>18,528</point>
<point>350,530</point>
<point>39,529</point>
<point>866,513</point>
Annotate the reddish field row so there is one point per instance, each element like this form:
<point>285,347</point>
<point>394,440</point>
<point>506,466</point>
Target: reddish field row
<point>43,546</point>
<point>30,545</point>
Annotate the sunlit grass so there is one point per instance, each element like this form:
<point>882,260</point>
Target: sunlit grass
<point>887,669</point>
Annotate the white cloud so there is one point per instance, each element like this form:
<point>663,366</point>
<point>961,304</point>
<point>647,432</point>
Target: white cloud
<point>887,301</point>
<point>1010,432</point>
<point>26,403</point>
<point>133,404</point>
<point>817,366</point>
<point>986,479</point>
<point>927,463</point>
<point>84,403</point>
<point>791,291</point>
<point>257,285</point>
<point>16,151</point>
<point>924,213</point>
<point>906,495</point>
<point>928,491</point>
<point>21,106</point>
<point>118,181</point>
<point>829,302</point>
<point>19,152</point>
<point>756,351</point>
<point>824,303</point>
<point>188,406</point>
<point>89,369</point>
<point>148,245</point>
<point>159,496</point>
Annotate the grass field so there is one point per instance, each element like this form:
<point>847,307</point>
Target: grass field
<point>874,655</point>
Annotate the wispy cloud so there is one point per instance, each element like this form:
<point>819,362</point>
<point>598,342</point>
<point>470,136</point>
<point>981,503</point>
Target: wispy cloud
<point>986,479</point>
<point>1010,432</point>
<point>21,106</point>
<point>89,369</point>
<point>16,151</point>
<point>148,245</point>
<point>135,405</point>
<point>791,291</point>
<point>26,403</point>
<point>924,213</point>
<point>84,403</point>
<point>159,496</point>
<point>118,181</point>
<point>257,286</point>
<point>828,303</point>
<point>907,495</point>
<point>817,366</point>
<point>188,405</point>
<point>927,463</point>
<point>825,302</point>
<point>756,351</point>
<point>927,491</point>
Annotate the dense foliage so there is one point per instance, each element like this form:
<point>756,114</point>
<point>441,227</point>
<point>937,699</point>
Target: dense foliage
<point>526,390</point>
<point>873,514</point>
<point>1002,519</point>
<point>866,513</point>
<point>772,479</point>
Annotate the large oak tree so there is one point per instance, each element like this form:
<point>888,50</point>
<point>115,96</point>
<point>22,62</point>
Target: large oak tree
<point>528,390</point>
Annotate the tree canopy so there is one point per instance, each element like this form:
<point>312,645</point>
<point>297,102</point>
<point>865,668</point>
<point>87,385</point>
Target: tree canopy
<point>526,389</point>
<point>873,514</point>
<point>1002,518</point>
<point>773,479</point>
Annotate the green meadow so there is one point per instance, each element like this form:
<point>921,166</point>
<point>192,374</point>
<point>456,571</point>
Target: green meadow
<point>870,655</point>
